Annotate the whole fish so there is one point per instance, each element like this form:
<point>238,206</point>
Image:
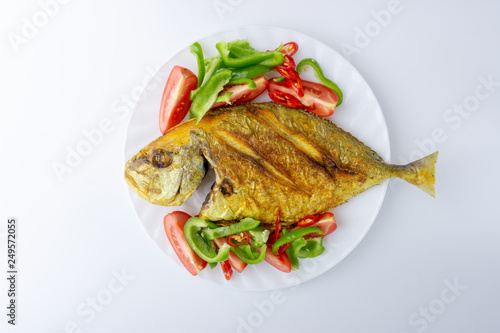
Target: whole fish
<point>266,157</point>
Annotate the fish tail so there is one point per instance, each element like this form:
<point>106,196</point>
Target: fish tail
<point>420,173</point>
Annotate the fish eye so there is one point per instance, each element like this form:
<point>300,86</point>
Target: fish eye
<point>161,158</point>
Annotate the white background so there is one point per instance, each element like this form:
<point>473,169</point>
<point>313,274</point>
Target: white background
<point>426,264</point>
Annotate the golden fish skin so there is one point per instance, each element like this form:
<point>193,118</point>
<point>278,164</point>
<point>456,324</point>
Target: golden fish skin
<point>265,157</point>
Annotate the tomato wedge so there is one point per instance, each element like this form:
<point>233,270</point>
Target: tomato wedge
<point>317,98</point>
<point>281,261</point>
<point>241,92</point>
<point>175,102</point>
<point>174,228</point>
<point>233,260</point>
<point>326,222</point>
<point>226,269</point>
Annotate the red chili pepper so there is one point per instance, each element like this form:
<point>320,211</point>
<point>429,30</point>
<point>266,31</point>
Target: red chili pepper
<point>283,248</point>
<point>287,66</point>
<point>286,99</point>
<point>277,227</point>
<point>290,48</point>
<point>307,221</point>
<point>275,234</point>
<point>226,269</point>
<point>287,69</point>
<point>242,238</point>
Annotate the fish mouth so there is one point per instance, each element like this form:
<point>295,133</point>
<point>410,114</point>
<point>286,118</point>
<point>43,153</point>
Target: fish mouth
<point>130,180</point>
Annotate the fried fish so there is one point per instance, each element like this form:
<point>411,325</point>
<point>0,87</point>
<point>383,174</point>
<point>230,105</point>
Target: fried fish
<point>265,157</point>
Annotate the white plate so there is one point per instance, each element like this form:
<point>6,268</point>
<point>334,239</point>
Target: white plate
<point>359,114</point>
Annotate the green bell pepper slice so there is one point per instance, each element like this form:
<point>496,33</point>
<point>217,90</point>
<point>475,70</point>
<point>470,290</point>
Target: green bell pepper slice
<point>247,255</point>
<point>245,74</point>
<point>319,74</point>
<point>245,224</point>
<point>302,248</point>
<point>293,235</point>
<point>192,232</point>
<point>243,80</point>
<point>207,94</point>
<point>291,252</point>
<point>312,248</point>
<point>198,53</point>
<point>271,58</point>
<point>259,236</point>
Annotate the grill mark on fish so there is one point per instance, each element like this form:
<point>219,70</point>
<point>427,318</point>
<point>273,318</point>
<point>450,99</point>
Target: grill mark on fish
<point>313,152</point>
<point>242,148</point>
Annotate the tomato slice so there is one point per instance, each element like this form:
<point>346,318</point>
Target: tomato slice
<point>281,261</point>
<point>241,92</point>
<point>317,98</point>
<point>226,269</point>
<point>326,222</point>
<point>234,261</point>
<point>175,102</point>
<point>174,228</point>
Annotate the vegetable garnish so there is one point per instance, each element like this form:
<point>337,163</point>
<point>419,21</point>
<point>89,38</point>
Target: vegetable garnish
<point>293,235</point>
<point>302,248</point>
<point>248,255</point>
<point>244,225</point>
<point>175,101</point>
<point>289,48</point>
<point>208,93</point>
<point>226,269</point>
<point>192,230</point>
<point>238,65</point>
<point>174,224</point>
<point>238,239</point>
<point>242,93</point>
<point>319,74</point>
<point>318,99</point>
<point>285,98</point>
<point>307,221</point>
<point>198,53</point>
<point>239,53</point>
<point>287,70</point>
<point>281,261</point>
<point>234,261</point>
<point>244,74</point>
<point>277,226</point>
<point>244,243</point>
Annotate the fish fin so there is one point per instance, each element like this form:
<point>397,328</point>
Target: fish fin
<point>421,173</point>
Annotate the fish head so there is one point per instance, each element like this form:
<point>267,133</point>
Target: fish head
<point>166,173</point>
